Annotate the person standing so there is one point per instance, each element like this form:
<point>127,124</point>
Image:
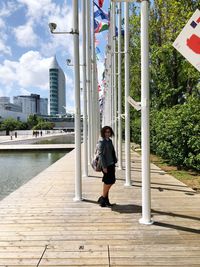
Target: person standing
<point>108,159</point>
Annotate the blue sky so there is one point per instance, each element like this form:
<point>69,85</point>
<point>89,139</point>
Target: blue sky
<point>27,47</point>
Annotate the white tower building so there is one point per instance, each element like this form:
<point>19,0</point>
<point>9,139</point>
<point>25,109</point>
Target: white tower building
<point>57,89</point>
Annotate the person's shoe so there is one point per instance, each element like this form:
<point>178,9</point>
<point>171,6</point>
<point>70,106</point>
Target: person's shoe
<point>102,201</point>
<point>99,199</point>
<point>108,202</point>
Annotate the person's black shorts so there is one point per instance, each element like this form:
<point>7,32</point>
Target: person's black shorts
<point>109,177</point>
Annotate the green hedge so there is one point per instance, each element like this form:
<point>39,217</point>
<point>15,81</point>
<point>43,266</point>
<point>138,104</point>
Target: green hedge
<point>175,134</point>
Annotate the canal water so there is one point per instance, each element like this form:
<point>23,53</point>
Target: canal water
<point>17,168</point>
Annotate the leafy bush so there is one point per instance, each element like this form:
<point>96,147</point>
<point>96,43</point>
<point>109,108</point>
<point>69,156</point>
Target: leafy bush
<point>135,130</point>
<point>175,134</point>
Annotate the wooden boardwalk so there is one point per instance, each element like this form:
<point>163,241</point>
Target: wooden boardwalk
<point>40,225</point>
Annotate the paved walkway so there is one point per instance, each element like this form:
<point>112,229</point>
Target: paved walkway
<point>22,139</point>
<point>40,225</point>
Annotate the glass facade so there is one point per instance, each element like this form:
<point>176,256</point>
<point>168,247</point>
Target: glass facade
<point>53,76</point>
<point>57,94</point>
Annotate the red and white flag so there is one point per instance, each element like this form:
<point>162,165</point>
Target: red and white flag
<point>100,3</point>
<point>188,41</point>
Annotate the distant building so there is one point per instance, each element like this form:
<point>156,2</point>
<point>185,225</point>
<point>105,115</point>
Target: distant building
<point>4,100</point>
<point>32,104</point>
<point>12,107</point>
<point>8,109</point>
<point>43,106</point>
<point>12,113</point>
<point>57,89</point>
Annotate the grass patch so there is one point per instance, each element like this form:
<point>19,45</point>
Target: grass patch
<point>189,177</point>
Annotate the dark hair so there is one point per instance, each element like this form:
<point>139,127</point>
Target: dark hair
<point>104,129</point>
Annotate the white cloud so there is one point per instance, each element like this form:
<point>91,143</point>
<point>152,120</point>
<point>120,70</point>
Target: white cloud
<point>39,14</point>
<point>8,7</point>
<point>38,9</point>
<point>26,36</point>
<point>30,71</point>
<point>24,91</point>
<point>4,49</point>
<point>2,23</point>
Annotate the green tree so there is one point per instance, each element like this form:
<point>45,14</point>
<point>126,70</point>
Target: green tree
<point>172,76</point>
<point>11,124</point>
<point>33,120</point>
<point>44,125</point>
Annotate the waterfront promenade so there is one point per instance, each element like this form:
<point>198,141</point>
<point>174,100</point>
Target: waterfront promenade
<point>41,225</point>
<point>29,138</point>
<point>26,143</point>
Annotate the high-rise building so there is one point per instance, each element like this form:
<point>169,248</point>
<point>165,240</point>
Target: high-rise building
<point>57,89</point>
<point>32,104</point>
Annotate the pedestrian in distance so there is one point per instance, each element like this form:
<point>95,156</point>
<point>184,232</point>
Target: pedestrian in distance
<point>108,159</point>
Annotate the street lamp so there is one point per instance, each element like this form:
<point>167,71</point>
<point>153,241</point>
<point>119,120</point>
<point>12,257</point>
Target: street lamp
<point>53,26</point>
<point>68,60</point>
<point>75,32</point>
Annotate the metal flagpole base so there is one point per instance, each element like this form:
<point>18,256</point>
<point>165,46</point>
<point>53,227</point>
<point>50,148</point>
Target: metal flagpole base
<point>142,221</point>
<point>77,199</point>
<point>127,185</point>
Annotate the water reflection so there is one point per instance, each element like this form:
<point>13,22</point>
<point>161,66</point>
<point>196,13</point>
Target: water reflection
<point>19,167</point>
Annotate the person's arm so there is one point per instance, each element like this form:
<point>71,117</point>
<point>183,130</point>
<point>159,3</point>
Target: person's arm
<point>101,152</point>
<point>114,156</point>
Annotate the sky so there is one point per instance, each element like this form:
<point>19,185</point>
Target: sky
<point>27,47</point>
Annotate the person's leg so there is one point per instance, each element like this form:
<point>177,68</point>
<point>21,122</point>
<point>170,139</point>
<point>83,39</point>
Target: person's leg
<point>106,188</point>
<point>108,180</point>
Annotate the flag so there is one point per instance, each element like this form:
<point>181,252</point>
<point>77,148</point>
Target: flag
<point>99,87</point>
<point>100,13</point>
<point>194,43</point>
<point>100,26</point>
<point>100,2</point>
<point>188,41</point>
<point>96,41</point>
<point>103,75</point>
<point>116,31</point>
<point>98,51</point>
<point>96,26</point>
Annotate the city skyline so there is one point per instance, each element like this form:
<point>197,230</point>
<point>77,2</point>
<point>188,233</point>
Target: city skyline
<point>27,47</point>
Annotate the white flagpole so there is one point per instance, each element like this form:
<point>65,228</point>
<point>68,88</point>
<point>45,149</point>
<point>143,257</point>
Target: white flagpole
<point>78,182</point>
<point>88,75</point>
<point>127,108</point>
<point>85,144</point>
<point>119,89</point>
<point>146,188</point>
<point>114,78</point>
